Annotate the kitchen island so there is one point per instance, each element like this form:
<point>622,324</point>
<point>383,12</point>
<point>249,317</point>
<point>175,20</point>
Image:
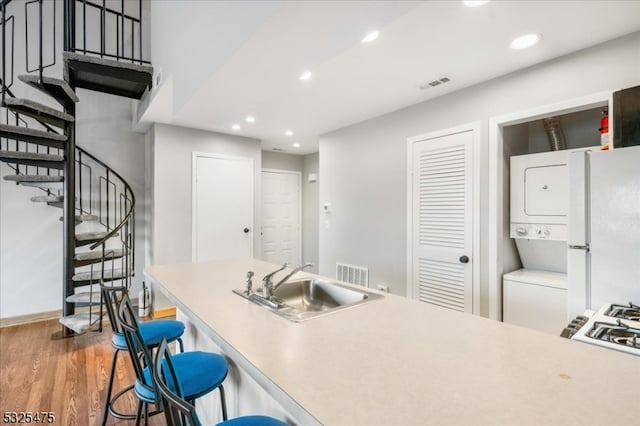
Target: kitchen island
<point>396,361</point>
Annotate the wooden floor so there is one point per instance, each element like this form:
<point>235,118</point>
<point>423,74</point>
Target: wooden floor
<point>66,376</point>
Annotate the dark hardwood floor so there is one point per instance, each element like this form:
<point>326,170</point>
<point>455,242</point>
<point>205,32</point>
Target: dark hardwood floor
<point>66,376</point>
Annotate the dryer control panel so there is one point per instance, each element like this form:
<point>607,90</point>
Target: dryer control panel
<point>544,231</point>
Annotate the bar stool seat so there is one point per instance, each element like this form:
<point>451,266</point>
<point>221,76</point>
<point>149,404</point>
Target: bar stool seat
<point>253,421</point>
<point>152,333</point>
<point>199,373</point>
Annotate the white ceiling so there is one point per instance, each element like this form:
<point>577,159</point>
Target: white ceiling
<point>352,81</point>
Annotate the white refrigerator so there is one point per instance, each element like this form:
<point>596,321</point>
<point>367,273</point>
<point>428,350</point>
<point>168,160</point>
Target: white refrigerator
<point>603,259</point>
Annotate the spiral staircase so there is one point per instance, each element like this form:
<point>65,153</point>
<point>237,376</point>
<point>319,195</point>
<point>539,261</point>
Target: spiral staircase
<point>38,143</point>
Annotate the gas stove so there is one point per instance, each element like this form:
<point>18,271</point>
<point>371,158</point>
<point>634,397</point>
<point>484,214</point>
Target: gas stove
<point>612,326</point>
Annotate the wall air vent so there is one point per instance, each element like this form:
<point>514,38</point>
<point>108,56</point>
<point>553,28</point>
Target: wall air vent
<point>434,83</point>
<point>352,274</point>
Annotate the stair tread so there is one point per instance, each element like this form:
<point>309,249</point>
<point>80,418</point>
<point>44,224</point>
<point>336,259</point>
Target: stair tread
<point>90,236</point>
<point>97,254</point>
<point>24,155</point>
<point>118,78</point>
<point>38,110</point>
<point>34,133</point>
<point>85,294</point>
<point>96,275</point>
<point>64,87</point>
<point>83,217</point>
<point>34,178</point>
<point>73,56</point>
<point>80,322</point>
<point>47,198</point>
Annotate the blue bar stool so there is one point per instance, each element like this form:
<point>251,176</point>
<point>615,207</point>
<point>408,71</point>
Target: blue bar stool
<point>199,372</point>
<point>179,412</point>
<point>152,334</point>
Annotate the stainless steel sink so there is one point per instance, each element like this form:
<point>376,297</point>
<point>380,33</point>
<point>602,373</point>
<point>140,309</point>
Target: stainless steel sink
<point>310,298</point>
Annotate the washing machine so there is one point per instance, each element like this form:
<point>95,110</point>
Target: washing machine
<point>535,299</point>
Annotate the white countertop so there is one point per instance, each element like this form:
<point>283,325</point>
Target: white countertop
<point>396,361</point>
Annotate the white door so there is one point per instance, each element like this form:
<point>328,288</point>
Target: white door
<point>440,230</point>
<point>281,217</point>
<point>222,207</point>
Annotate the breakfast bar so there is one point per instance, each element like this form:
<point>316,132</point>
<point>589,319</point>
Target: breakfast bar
<point>396,361</point>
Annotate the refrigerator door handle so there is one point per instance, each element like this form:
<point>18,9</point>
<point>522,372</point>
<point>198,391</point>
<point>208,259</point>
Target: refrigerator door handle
<point>578,219</point>
<point>583,247</point>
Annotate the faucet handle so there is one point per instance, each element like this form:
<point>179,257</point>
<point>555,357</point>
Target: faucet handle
<point>266,281</point>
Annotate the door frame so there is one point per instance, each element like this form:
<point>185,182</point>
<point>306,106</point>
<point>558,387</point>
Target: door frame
<point>474,128</point>
<point>496,171</point>
<point>299,175</point>
<point>194,157</point>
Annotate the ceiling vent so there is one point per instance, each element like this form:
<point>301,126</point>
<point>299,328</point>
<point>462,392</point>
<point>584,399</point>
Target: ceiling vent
<point>434,83</point>
<point>278,149</point>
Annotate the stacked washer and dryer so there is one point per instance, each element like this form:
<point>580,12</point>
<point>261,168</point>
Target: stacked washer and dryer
<point>536,295</point>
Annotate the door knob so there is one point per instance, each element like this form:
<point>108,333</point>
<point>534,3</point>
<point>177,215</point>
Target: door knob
<point>246,230</point>
<point>464,259</point>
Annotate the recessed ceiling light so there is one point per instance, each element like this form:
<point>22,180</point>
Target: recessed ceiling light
<point>296,145</point>
<point>288,133</point>
<point>250,119</point>
<point>370,37</point>
<point>305,75</point>
<point>475,3</point>
<point>236,127</point>
<point>525,41</point>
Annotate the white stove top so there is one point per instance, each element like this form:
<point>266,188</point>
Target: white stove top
<point>613,326</point>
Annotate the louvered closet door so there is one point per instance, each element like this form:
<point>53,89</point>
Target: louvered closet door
<point>442,220</point>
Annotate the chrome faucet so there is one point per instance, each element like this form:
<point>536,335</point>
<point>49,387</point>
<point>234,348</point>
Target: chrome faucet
<point>267,284</point>
<point>268,288</point>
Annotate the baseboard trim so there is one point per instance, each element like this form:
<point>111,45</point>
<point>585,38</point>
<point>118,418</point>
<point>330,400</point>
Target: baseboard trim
<point>166,312</point>
<point>29,318</point>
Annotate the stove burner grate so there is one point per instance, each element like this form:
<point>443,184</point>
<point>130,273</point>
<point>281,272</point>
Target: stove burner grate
<point>629,312</point>
<point>619,333</point>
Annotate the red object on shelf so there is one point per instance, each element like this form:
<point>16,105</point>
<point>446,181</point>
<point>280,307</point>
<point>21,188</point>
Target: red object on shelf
<point>604,129</point>
<point>604,124</point>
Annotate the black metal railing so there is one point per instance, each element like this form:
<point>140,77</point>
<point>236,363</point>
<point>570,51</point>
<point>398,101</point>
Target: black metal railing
<point>125,43</point>
<point>38,5</point>
<point>6,144</point>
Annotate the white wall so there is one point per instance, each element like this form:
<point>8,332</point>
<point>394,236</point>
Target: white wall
<point>170,212</point>
<point>281,161</point>
<point>363,167</point>
<point>31,234</point>
<point>310,211</point>
<point>204,26</point>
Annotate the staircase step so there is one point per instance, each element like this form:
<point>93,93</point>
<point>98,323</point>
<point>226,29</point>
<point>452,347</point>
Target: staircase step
<point>26,134</point>
<point>54,87</point>
<point>95,256</point>
<point>83,218</point>
<point>107,75</point>
<point>47,199</point>
<point>51,200</point>
<point>88,295</point>
<point>38,181</point>
<point>81,323</point>
<point>87,238</point>
<point>40,112</point>
<point>33,159</point>
<point>87,278</point>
